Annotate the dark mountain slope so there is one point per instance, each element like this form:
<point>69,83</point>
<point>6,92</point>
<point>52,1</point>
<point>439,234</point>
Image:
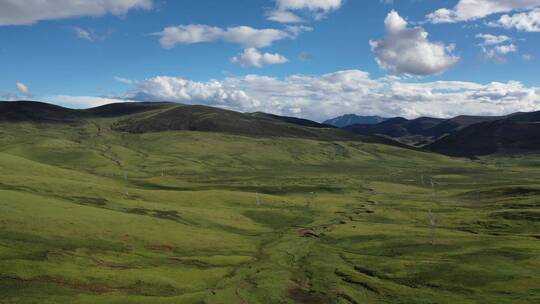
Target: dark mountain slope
<point>208,119</point>
<point>516,133</point>
<point>398,127</point>
<point>126,108</point>
<point>352,119</point>
<point>294,120</point>
<point>32,111</point>
<point>419,131</point>
<point>459,122</point>
<point>525,117</point>
<point>140,117</point>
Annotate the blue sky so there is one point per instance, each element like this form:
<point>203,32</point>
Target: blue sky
<point>310,58</point>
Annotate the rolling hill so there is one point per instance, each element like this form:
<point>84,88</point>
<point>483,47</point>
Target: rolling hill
<point>144,117</point>
<point>162,212</point>
<point>419,131</point>
<point>407,131</point>
<point>208,119</point>
<point>459,136</point>
<point>20,111</point>
<point>516,133</point>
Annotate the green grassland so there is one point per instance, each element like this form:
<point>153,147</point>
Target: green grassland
<point>90,215</point>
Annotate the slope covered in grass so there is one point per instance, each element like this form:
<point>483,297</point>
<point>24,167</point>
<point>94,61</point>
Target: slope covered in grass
<point>93,215</point>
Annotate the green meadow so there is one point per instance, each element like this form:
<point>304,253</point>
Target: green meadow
<point>90,215</point>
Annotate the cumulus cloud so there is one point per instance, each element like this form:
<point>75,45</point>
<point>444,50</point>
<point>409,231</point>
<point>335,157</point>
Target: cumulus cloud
<point>353,91</point>
<point>493,39</point>
<point>23,89</point>
<point>82,102</point>
<point>505,49</point>
<point>22,12</point>
<point>408,50</point>
<point>285,10</point>
<point>468,10</point>
<point>253,58</point>
<point>212,92</point>
<point>245,36</point>
<point>496,47</point>
<point>525,22</point>
<point>497,53</point>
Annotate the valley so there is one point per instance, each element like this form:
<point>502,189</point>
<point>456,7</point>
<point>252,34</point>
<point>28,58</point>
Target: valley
<point>91,212</point>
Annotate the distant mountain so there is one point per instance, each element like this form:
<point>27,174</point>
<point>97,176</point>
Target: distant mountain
<point>143,117</point>
<point>419,131</point>
<point>465,136</point>
<point>34,111</point>
<point>518,132</point>
<point>31,111</point>
<point>352,119</point>
<point>209,119</point>
<point>414,132</point>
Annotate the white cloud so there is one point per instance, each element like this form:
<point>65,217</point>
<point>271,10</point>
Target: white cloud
<point>284,11</point>
<point>494,47</point>
<point>284,17</point>
<point>90,34</point>
<point>124,80</point>
<point>506,49</point>
<point>468,10</point>
<point>83,34</point>
<point>82,102</point>
<point>21,12</point>
<point>525,22</point>
<point>354,91</point>
<point>23,89</point>
<point>408,50</point>
<point>212,92</point>
<point>253,58</point>
<point>497,53</point>
<point>492,39</point>
<point>245,36</point>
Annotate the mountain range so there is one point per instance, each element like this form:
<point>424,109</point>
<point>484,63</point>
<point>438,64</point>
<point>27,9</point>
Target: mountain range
<point>464,136</point>
<point>352,119</point>
<point>419,131</point>
<point>145,117</point>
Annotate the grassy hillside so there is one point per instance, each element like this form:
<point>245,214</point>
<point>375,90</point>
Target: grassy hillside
<point>92,215</point>
<point>515,133</point>
<point>420,131</point>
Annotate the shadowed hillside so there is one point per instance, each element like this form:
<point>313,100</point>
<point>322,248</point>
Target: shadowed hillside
<point>143,117</point>
<point>208,119</point>
<point>127,108</point>
<point>21,111</point>
<point>519,132</point>
<point>92,215</point>
<point>420,131</point>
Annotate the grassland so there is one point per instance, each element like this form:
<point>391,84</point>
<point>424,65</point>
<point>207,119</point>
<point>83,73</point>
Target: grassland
<point>90,215</point>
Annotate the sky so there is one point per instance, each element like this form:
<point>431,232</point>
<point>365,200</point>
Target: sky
<point>307,58</point>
